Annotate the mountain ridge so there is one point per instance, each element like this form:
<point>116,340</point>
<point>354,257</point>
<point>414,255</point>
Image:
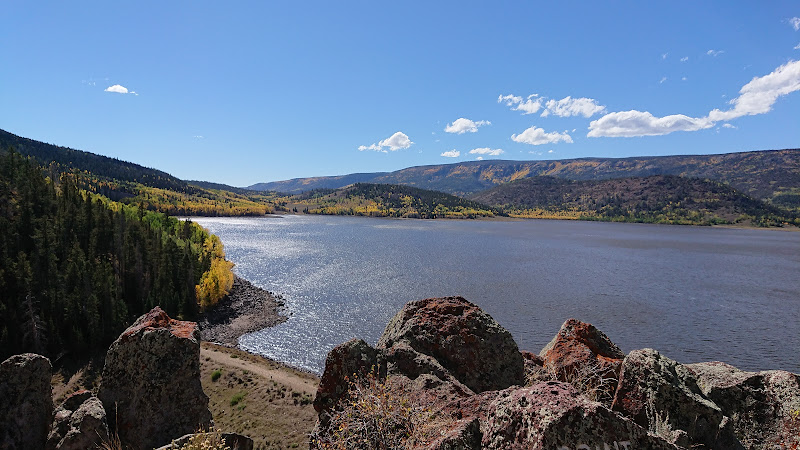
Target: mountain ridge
<point>760,174</point>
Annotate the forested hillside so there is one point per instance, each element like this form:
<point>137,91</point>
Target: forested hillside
<point>385,200</point>
<point>655,199</point>
<point>76,268</point>
<point>133,184</point>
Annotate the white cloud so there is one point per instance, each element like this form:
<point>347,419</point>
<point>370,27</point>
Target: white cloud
<point>197,136</point>
<point>528,106</point>
<point>119,89</point>
<point>479,158</point>
<point>664,55</point>
<point>551,151</point>
<point>642,123</point>
<point>797,47</point>
<point>684,78</point>
<point>713,52</point>
<point>486,151</point>
<point>537,136</point>
<point>758,96</point>
<point>727,125</point>
<point>684,59</point>
<point>568,106</point>
<point>463,125</point>
<point>394,142</point>
<point>663,79</point>
<point>451,154</point>
<point>795,23</point>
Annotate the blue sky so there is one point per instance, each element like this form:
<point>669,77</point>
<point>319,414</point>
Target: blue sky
<point>244,92</point>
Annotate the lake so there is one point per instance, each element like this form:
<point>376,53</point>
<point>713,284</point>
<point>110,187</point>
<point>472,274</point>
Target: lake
<point>693,293</point>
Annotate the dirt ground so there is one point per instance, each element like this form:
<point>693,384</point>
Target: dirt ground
<point>274,401</point>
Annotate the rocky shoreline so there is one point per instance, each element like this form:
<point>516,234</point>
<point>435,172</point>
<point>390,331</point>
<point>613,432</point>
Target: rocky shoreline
<point>247,308</point>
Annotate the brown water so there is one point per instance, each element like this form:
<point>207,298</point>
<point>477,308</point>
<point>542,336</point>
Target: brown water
<point>693,293</point>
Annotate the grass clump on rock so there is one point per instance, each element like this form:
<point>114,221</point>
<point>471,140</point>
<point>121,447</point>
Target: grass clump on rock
<point>376,414</point>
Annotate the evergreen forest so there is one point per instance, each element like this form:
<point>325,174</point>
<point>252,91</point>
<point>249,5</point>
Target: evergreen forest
<point>77,268</point>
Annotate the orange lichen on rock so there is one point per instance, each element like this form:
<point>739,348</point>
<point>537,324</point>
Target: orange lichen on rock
<point>158,319</point>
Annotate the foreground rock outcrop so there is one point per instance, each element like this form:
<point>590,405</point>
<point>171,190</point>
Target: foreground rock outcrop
<point>556,415</point>
<point>447,362</point>
<point>582,352</point>
<point>80,423</point>
<point>661,394</point>
<point>445,347</point>
<point>464,340</point>
<point>26,402</point>
<point>151,387</point>
<point>763,407</point>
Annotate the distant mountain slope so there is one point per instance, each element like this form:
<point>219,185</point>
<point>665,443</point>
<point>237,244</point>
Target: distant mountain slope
<point>386,200</point>
<point>658,198</point>
<point>69,158</point>
<point>219,187</point>
<point>760,174</point>
<point>298,185</point>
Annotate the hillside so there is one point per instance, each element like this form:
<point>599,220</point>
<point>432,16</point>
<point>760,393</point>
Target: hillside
<point>772,175</point>
<point>298,185</point>
<point>383,200</point>
<point>658,198</point>
<point>76,269</point>
<point>133,184</point>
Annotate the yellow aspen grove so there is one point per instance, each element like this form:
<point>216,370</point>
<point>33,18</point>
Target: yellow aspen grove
<point>218,280</point>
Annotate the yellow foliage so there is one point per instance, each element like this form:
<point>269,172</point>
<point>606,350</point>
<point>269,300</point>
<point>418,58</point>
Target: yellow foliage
<point>218,280</point>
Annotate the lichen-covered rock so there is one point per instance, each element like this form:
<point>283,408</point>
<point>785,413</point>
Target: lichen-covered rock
<point>554,415</point>
<point>463,339</point>
<point>764,407</point>
<point>534,368</point>
<point>151,382</point>
<point>80,423</point>
<point>420,372</point>
<point>354,358</point>
<point>663,396</point>
<point>581,352</point>
<point>26,402</point>
<point>233,441</point>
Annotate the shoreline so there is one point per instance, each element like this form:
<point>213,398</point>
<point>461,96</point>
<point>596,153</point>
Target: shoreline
<point>247,308</point>
<point>732,226</point>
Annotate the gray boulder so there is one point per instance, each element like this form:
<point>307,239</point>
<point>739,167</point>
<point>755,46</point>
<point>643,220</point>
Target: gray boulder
<point>80,423</point>
<point>468,343</point>
<point>764,407</point>
<point>26,401</point>
<point>554,415</point>
<point>151,382</point>
<point>662,396</point>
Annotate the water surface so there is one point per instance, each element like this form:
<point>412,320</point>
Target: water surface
<point>693,293</point>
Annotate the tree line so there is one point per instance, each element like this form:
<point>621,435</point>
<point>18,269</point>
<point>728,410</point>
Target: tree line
<point>77,268</point>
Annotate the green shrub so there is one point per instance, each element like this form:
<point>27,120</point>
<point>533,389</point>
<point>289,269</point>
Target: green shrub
<point>215,375</point>
<point>237,398</point>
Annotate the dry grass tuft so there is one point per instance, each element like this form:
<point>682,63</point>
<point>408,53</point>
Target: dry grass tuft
<point>595,383</point>
<point>378,414</point>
